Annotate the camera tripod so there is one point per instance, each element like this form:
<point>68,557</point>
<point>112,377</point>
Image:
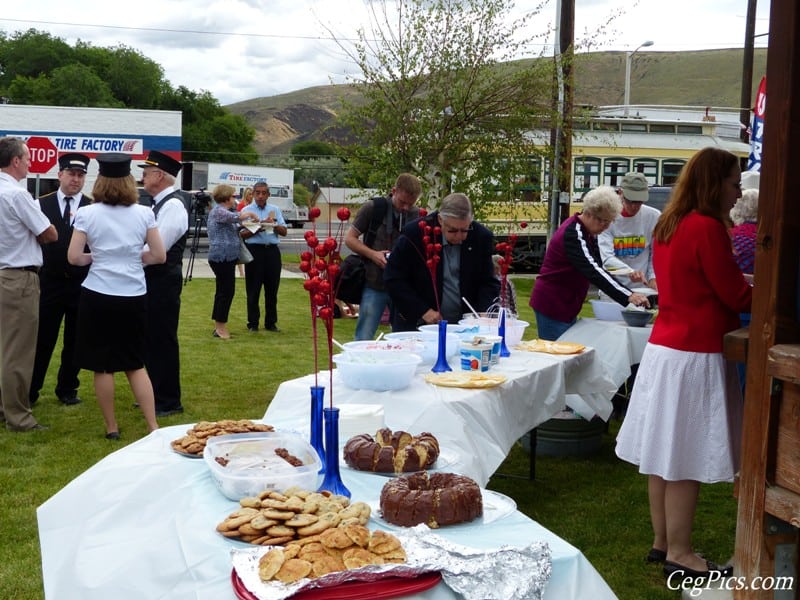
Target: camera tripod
<point>200,219</point>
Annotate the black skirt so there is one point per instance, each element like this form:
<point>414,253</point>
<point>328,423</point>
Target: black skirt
<point>111,332</point>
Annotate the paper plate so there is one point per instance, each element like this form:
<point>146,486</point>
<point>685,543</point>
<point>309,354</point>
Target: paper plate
<point>465,379</point>
<point>549,347</point>
<point>622,271</point>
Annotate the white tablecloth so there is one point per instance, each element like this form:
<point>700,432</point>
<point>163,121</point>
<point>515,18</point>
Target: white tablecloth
<point>140,525</point>
<point>480,426</point>
<point>618,346</point>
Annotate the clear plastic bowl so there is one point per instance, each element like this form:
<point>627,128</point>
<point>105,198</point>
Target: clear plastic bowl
<point>376,371</point>
<point>429,343</point>
<point>388,345</point>
<point>462,331</point>
<point>489,323</point>
<point>252,465</point>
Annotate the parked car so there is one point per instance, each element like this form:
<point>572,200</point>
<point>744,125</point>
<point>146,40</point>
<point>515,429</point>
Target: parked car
<point>659,196</point>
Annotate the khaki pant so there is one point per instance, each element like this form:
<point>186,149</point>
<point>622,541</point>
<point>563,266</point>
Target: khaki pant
<point>19,324</point>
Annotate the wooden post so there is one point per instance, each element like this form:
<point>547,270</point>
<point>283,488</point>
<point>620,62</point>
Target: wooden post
<point>775,319</point>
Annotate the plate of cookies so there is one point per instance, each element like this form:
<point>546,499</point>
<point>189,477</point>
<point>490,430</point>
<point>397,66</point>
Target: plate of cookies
<point>193,443</point>
<point>332,559</point>
<point>390,587</point>
<point>278,518</point>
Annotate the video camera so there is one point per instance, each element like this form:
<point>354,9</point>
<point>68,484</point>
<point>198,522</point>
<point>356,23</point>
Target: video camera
<point>201,202</point>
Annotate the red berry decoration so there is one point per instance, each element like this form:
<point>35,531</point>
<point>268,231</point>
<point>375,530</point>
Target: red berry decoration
<point>320,263</point>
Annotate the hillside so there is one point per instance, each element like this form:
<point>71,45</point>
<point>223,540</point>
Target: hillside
<point>700,78</point>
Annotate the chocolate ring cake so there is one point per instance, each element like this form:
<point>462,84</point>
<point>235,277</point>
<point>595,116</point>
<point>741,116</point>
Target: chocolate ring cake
<point>435,499</point>
<point>391,452</point>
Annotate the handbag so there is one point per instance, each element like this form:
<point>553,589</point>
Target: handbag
<point>245,256</point>
<point>351,280</point>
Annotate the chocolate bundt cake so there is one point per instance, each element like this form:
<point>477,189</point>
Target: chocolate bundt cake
<point>435,499</point>
<point>391,452</point>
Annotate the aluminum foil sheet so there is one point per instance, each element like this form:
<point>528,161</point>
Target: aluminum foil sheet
<point>507,573</point>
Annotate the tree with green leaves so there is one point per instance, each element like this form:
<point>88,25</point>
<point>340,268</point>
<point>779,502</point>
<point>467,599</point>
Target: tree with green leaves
<point>37,68</point>
<point>443,99</point>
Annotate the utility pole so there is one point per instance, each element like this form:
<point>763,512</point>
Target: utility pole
<point>747,70</point>
<point>561,133</point>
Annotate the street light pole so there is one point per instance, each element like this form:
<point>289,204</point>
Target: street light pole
<point>628,61</point>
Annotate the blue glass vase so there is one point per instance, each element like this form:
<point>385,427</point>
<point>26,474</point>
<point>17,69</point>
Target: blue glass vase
<point>501,331</point>
<point>317,397</point>
<point>441,365</point>
<point>333,479</point>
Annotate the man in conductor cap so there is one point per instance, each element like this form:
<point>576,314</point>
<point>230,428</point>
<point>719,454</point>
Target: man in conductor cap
<point>60,282</point>
<point>164,282</point>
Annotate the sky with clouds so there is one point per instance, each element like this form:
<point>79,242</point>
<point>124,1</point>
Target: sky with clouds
<point>243,49</point>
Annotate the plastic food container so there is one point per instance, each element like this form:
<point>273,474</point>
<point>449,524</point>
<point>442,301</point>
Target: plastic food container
<point>489,323</point>
<point>408,345</point>
<point>245,464</point>
<point>476,355</point>
<point>606,311</point>
<point>428,342</point>
<point>376,371</point>
<point>461,330</point>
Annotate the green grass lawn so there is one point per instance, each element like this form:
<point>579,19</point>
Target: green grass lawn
<point>598,504</point>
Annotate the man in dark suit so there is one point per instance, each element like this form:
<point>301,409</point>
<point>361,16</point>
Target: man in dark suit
<point>164,282</point>
<point>60,282</point>
<point>461,251</point>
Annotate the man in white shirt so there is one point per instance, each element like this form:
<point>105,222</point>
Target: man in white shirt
<point>628,242</point>
<point>22,228</point>
<point>164,282</point>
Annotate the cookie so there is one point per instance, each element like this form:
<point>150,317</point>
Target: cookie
<point>270,564</point>
<point>325,521</point>
<point>293,570</point>
<point>302,520</point>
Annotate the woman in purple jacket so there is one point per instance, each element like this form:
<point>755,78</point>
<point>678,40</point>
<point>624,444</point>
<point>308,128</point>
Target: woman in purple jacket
<point>572,262</point>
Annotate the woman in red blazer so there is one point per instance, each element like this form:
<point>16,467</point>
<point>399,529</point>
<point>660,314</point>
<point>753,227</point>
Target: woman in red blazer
<point>684,420</point>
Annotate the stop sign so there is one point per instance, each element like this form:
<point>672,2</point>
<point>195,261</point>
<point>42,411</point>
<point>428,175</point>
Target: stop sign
<point>44,154</point>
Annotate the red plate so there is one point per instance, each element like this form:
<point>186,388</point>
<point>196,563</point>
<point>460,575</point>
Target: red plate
<point>390,587</point>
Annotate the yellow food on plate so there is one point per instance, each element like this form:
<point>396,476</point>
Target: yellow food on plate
<point>551,347</point>
<point>337,549</point>
<point>466,379</point>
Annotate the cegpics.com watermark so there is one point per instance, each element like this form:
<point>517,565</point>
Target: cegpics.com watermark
<point>695,585</point>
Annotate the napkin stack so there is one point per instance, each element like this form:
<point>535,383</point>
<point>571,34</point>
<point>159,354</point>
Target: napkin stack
<point>359,418</point>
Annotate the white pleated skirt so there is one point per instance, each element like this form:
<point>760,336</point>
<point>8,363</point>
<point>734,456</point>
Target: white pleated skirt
<point>684,420</point>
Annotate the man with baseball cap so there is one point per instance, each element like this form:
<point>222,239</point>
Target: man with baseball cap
<point>628,242</point>
<point>60,282</point>
<point>164,282</point>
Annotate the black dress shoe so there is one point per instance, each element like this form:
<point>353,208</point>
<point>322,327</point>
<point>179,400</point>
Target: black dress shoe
<point>674,570</point>
<point>69,400</point>
<point>273,328</point>
<point>169,412</point>
<point>112,435</point>
<point>656,556</point>
<point>252,329</point>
